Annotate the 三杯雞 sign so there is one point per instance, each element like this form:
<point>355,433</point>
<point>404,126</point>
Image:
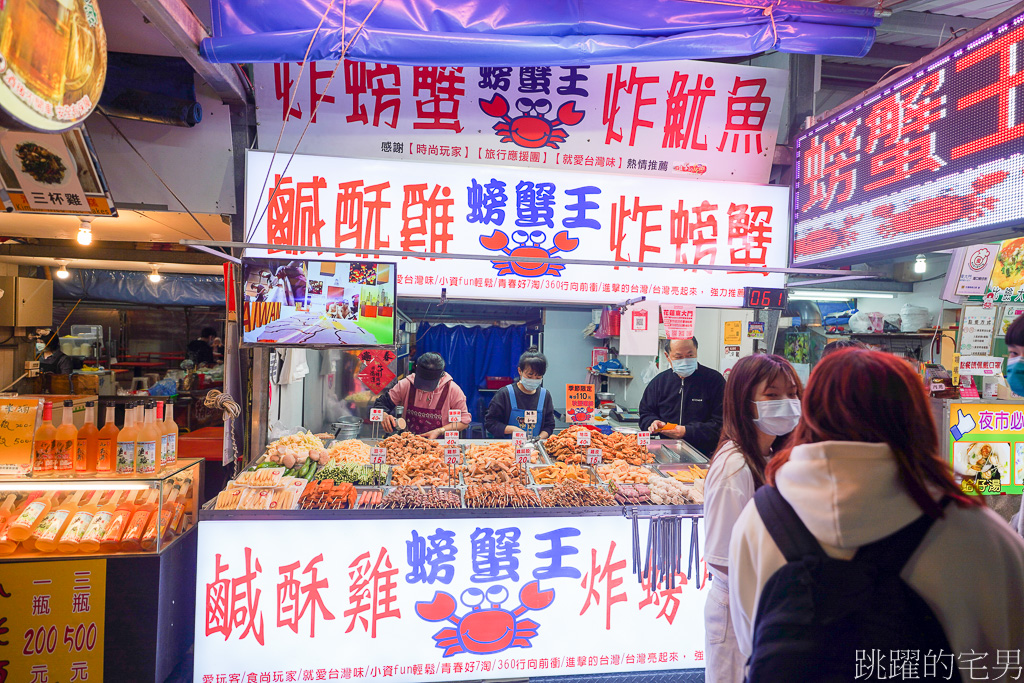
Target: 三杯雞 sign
<point>681,119</point>
<point>502,213</point>
<point>443,599</point>
<point>936,154</point>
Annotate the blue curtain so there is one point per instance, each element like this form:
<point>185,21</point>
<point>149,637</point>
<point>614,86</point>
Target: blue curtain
<point>563,32</point>
<point>472,354</point>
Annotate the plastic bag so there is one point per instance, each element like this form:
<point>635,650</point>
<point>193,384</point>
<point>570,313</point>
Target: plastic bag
<point>650,372</point>
<point>860,322</point>
<point>892,322</point>
<point>165,387</point>
<point>914,318</point>
<point>279,429</point>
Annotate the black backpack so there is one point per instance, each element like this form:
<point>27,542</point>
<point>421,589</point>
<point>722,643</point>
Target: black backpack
<point>826,620</point>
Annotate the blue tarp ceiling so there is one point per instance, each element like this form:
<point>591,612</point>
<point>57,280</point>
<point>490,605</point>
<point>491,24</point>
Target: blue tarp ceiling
<point>531,33</point>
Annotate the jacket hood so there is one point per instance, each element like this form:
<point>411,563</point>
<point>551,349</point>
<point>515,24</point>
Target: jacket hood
<point>847,493</point>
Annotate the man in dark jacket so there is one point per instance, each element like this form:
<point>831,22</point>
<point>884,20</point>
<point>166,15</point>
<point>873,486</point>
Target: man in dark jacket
<point>687,395</point>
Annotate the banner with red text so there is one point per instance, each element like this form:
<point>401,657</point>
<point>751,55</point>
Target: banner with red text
<point>681,119</point>
<point>505,213</point>
<point>437,600</point>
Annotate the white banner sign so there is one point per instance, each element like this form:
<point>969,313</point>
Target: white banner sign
<point>682,119</point>
<point>976,269</point>
<point>436,600</point>
<point>503,213</point>
<point>981,365</point>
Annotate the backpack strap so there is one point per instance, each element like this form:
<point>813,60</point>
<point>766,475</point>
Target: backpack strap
<point>894,551</point>
<point>784,525</point>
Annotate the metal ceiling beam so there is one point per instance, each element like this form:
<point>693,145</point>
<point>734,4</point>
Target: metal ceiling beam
<point>897,54</point>
<point>865,76</point>
<point>107,251</point>
<point>176,21</point>
<point>926,24</point>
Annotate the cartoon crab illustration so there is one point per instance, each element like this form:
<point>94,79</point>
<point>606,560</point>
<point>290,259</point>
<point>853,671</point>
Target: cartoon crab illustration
<point>934,212</point>
<point>581,414</point>
<point>485,630</point>
<point>531,129</point>
<point>827,238</point>
<point>529,246</point>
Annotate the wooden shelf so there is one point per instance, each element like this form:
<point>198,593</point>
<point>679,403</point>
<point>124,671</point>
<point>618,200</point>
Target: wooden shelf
<point>610,376</point>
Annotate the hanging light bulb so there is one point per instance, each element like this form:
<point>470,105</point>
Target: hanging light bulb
<point>85,233</point>
<point>154,275</point>
<point>920,264</point>
<point>62,272</point>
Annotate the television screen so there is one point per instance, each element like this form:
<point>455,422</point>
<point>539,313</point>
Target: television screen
<point>293,302</point>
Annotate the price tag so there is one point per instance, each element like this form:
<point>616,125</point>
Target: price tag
<point>583,437</point>
<point>523,455</point>
<point>451,456</point>
<point>593,456</point>
<point>643,439</point>
<point>938,386</point>
<point>378,455</point>
<point>518,439</point>
<point>376,414</point>
<point>455,416</point>
<point>451,438</point>
<point>531,417</point>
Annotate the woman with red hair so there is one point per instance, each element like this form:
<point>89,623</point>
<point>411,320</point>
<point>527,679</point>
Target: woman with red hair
<point>865,464</point>
<point>761,408</point>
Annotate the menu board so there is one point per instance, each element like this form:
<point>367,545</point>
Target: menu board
<point>19,419</point>
<point>976,335</point>
<point>579,402</point>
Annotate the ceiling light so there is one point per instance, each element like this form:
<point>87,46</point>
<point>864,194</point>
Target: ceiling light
<point>920,264</point>
<point>835,295</point>
<point>85,233</point>
<point>62,272</point>
<point>154,275</point>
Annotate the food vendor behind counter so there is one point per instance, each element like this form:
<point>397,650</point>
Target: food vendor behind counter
<point>507,412</point>
<point>426,395</point>
<point>685,401</point>
<point>54,361</point>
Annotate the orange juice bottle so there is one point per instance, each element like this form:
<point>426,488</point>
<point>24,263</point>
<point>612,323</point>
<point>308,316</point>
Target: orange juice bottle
<point>147,453</point>
<point>106,454</point>
<point>75,529</point>
<point>160,522</point>
<point>42,445</point>
<point>49,532</point>
<point>7,546</point>
<point>170,451</point>
<point>7,509</point>
<point>31,516</point>
<point>131,540</point>
<point>126,443</point>
<point>180,508</point>
<point>122,515</point>
<point>65,442</point>
<point>88,442</point>
<point>90,542</point>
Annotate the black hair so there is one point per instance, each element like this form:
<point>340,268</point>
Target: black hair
<point>430,361</point>
<point>1015,332</point>
<point>840,344</point>
<point>534,360</point>
<point>53,343</point>
<point>666,345</point>
<point>208,332</point>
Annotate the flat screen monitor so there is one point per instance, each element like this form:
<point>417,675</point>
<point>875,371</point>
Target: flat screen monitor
<point>295,302</point>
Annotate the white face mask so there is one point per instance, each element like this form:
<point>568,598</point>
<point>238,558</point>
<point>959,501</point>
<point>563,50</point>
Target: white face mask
<point>40,346</point>
<point>684,366</point>
<point>777,417</point>
<point>530,384</point>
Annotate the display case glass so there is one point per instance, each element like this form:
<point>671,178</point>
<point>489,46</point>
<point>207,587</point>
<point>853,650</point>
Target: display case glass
<point>93,516</point>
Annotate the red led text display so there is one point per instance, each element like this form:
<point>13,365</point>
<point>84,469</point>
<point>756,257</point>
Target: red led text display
<point>937,153</point>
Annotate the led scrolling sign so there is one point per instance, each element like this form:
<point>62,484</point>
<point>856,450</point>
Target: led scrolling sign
<point>938,153</point>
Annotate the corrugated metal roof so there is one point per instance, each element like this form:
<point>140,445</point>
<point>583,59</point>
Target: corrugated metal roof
<point>979,9</point>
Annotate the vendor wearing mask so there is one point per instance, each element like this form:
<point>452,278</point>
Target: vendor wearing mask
<point>507,412</point>
<point>427,395</point>
<point>685,401</point>
<point>54,361</point>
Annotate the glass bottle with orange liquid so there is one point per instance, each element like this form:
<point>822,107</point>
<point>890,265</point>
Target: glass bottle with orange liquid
<point>170,452</point>
<point>147,453</point>
<point>88,442</point>
<point>42,445</point>
<point>106,454</point>
<point>22,526</point>
<point>49,532</point>
<point>7,509</point>
<point>181,508</point>
<point>74,531</point>
<point>160,522</point>
<point>111,539</point>
<point>65,442</point>
<point>126,443</point>
<point>90,542</point>
<point>8,546</point>
<point>131,540</point>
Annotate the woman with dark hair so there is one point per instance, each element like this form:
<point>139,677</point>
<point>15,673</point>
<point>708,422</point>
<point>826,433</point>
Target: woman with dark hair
<point>761,407</point>
<point>864,464</point>
<point>507,412</point>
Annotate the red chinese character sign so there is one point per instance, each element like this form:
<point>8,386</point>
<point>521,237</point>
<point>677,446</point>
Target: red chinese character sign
<point>508,215</point>
<point>683,119</point>
<point>934,155</point>
<point>466,599</point>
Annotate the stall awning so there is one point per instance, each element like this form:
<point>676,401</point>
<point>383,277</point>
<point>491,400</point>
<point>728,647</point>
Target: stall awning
<point>536,33</point>
<point>134,287</point>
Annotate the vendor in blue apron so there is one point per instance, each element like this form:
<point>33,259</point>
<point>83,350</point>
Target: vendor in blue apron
<point>507,412</point>
<point>427,396</point>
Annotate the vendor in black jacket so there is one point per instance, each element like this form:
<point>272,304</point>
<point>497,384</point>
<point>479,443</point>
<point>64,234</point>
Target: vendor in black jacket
<point>688,395</point>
